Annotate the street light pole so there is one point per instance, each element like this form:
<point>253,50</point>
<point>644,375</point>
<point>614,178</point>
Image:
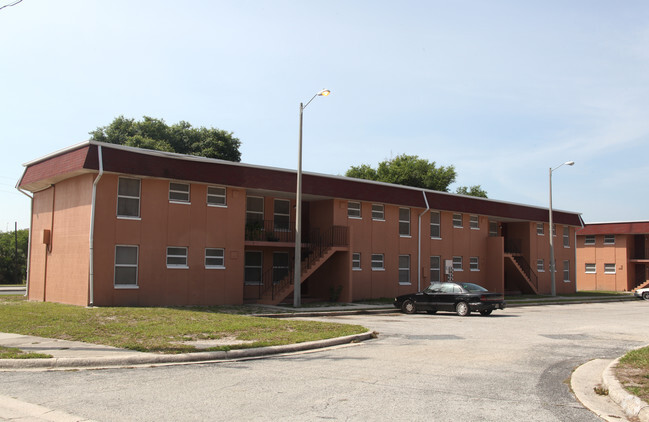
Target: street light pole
<point>297,273</point>
<point>553,287</point>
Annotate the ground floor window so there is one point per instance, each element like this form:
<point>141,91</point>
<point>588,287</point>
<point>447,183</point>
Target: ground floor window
<point>474,263</point>
<point>457,263</point>
<point>214,258</point>
<point>540,265</point>
<point>609,268</point>
<point>252,267</point>
<point>591,268</point>
<point>280,266</point>
<point>435,269</point>
<point>566,270</point>
<point>176,257</point>
<point>126,258</point>
<point>404,269</point>
<point>377,262</point>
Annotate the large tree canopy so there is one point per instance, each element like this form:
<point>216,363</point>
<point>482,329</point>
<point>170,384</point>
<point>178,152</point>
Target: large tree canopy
<point>410,170</point>
<point>151,133</point>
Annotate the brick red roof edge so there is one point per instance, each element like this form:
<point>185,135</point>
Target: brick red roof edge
<point>629,227</point>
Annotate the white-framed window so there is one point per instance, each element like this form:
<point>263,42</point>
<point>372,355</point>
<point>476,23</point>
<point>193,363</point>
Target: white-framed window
<point>493,228</point>
<point>178,192</point>
<point>378,212</point>
<point>566,237</point>
<point>589,240</point>
<point>404,221</point>
<point>354,209</point>
<point>457,221</point>
<point>457,263</point>
<point>377,262</point>
<point>609,239</point>
<point>540,265</point>
<point>126,266</point>
<point>566,270</point>
<point>554,230</point>
<point>216,196</point>
<point>435,269</point>
<point>474,263</point>
<point>474,222</point>
<point>540,229</point>
<point>591,268</point>
<point>404,269</point>
<point>435,225</point>
<point>128,197</point>
<point>356,261</point>
<point>176,257</point>
<point>280,266</point>
<point>609,268</point>
<point>281,215</point>
<point>255,210</point>
<point>215,258</point>
<point>252,268</point>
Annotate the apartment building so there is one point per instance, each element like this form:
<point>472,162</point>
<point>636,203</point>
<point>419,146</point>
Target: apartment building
<point>613,256</point>
<point>117,226</point>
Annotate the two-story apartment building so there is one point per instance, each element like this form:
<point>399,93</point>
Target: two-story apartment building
<point>613,256</point>
<point>114,225</point>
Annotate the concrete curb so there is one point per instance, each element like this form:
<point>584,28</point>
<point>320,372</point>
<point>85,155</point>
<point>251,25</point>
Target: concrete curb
<point>630,404</point>
<point>155,359</point>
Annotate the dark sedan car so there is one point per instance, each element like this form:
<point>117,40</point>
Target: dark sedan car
<point>462,298</point>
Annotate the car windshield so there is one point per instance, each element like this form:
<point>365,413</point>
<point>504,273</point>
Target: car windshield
<point>473,287</point>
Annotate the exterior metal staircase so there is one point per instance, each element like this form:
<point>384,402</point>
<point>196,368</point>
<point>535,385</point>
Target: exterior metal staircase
<point>526,272</point>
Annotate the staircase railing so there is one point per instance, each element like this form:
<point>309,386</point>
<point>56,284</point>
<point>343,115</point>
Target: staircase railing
<point>527,269</point>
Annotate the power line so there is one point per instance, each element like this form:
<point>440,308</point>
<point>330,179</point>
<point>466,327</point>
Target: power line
<point>10,4</point>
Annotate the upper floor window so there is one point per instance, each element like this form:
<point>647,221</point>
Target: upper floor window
<point>128,197</point>
<point>281,216</point>
<point>493,228</point>
<point>126,266</point>
<point>474,222</point>
<point>609,239</point>
<point>540,229</point>
<point>354,209</point>
<point>378,212</point>
<point>214,258</point>
<point>457,221</point>
<point>216,196</point>
<point>554,230</point>
<point>254,210</point>
<point>435,226</point>
<point>566,237</point>
<point>356,261</point>
<point>589,240</point>
<point>178,192</point>
<point>404,221</point>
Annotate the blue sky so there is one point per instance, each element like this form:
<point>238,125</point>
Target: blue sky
<point>502,90</point>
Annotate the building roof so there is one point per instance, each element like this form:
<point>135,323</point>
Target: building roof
<point>620,227</point>
<point>84,158</point>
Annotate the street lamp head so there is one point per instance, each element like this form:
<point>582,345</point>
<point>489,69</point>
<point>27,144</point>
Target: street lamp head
<point>324,93</point>
<point>569,163</point>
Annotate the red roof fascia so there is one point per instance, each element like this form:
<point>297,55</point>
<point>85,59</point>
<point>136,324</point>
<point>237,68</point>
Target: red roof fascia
<point>68,162</point>
<point>631,227</point>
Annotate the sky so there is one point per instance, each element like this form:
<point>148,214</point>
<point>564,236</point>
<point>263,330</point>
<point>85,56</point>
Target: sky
<point>503,90</point>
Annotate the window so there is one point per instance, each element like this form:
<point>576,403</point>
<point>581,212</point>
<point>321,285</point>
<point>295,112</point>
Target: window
<point>280,266</point>
<point>609,239</point>
<point>554,230</point>
<point>609,268</point>
<point>404,221</point>
<point>457,263</point>
<point>356,261</point>
<point>435,269</point>
<point>178,192</point>
<point>378,212</point>
<point>281,216</point>
<point>566,270</point>
<point>540,230</point>
<point>176,257</point>
<point>591,268</point>
<point>255,210</point>
<point>128,197</point>
<point>377,262</point>
<point>216,196</point>
<point>126,266</point>
<point>354,209</point>
<point>540,265</point>
<point>474,263</point>
<point>589,240</point>
<point>566,237</point>
<point>474,222</point>
<point>252,268</point>
<point>457,221</point>
<point>214,258</point>
<point>404,269</point>
<point>435,226</point>
<point>493,228</point>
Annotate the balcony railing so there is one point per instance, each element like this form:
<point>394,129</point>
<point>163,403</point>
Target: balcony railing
<point>270,231</point>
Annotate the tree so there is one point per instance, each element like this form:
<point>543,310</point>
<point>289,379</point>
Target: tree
<point>409,170</point>
<point>151,133</point>
<point>12,266</point>
<point>475,190</point>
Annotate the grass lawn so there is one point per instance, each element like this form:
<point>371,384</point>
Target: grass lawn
<point>161,330</point>
<point>633,372</point>
<point>13,353</point>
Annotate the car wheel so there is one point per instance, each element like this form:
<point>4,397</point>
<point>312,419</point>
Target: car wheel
<point>645,295</point>
<point>462,309</point>
<point>485,312</point>
<point>408,307</point>
<point>432,312</point>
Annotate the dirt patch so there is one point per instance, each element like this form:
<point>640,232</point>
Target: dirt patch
<point>635,380</point>
<point>218,342</point>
